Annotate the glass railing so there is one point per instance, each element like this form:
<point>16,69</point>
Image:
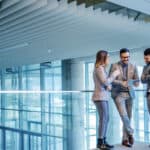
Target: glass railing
<point>62,120</point>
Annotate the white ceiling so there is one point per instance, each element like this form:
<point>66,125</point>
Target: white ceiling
<point>33,31</point>
<point>139,5</point>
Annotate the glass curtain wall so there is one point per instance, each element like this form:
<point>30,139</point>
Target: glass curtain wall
<point>36,121</point>
<point>31,112</point>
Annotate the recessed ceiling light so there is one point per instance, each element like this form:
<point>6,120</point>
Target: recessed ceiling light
<point>49,51</point>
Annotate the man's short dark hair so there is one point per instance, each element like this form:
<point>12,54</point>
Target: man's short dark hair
<point>147,52</point>
<point>124,50</point>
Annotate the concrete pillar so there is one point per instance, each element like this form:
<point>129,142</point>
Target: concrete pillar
<point>73,79</point>
<point>42,95</point>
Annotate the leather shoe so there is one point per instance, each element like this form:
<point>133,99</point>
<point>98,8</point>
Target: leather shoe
<point>131,139</point>
<point>126,143</point>
<point>107,145</point>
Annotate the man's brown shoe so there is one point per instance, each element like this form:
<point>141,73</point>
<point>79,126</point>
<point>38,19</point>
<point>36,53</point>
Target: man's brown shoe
<point>126,143</point>
<point>131,139</point>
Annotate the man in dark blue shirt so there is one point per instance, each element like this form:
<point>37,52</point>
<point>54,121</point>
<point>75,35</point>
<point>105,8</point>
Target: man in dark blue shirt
<point>145,78</point>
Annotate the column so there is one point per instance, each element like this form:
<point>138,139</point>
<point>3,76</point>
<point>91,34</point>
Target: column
<point>73,79</point>
<point>21,136</point>
<point>42,95</point>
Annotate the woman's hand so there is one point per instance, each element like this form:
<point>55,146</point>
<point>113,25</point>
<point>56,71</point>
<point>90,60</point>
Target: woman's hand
<point>108,88</point>
<point>116,73</point>
<point>125,83</point>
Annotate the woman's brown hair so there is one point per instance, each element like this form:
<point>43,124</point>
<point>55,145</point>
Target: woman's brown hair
<point>101,57</point>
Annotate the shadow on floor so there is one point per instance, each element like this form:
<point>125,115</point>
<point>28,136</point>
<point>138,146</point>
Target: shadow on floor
<point>136,146</point>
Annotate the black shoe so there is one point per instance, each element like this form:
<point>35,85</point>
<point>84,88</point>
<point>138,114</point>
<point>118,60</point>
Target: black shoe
<point>131,139</point>
<point>101,145</point>
<point>108,145</point>
<point>126,143</point>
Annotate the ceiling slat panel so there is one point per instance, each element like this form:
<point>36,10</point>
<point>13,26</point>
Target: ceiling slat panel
<point>19,15</point>
<point>34,26</point>
<point>18,6</point>
<point>52,14</point>
<point>7,4</point>
<point>54,25</point>
<point>53,19</point>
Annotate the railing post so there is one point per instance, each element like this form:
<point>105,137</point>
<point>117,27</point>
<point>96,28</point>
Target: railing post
<point>29,142</point>
<point>21,141</point>
<point>3,139</point>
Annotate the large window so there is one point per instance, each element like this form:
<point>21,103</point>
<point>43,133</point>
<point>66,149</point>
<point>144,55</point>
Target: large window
<point>31,116</point>
<point>44,121</point>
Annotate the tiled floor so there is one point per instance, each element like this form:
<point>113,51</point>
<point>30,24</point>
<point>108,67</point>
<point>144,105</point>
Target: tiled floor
<point>136,146</point>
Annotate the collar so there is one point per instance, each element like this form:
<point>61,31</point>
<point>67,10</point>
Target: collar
<point>123,65</point>
<point>148,64</point>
